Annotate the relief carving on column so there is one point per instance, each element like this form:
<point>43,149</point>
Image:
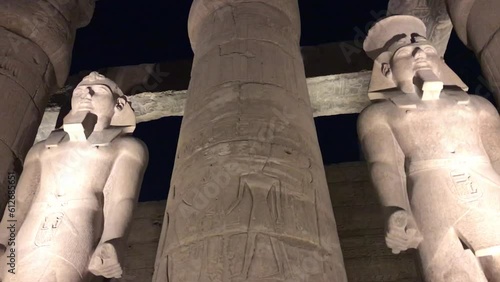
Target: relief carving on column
<point>50,24</point>
<point>252,247</point>
<point>251,200</point>
<point>36,42</point>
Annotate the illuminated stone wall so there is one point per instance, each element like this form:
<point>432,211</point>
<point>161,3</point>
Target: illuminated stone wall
<point>359,222</point>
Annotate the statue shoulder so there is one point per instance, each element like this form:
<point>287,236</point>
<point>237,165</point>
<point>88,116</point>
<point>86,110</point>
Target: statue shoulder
<point>132,146</point>
<point>377,112</point>
<point>375,117</point>
<point>483,105</point>
<point>34,151</point>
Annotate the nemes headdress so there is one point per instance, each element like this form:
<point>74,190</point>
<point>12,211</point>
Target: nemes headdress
<point>385,38</point>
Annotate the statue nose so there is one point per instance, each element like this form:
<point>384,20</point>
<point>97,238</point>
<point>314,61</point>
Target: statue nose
<point>419,53</point>
<point>90,92</point>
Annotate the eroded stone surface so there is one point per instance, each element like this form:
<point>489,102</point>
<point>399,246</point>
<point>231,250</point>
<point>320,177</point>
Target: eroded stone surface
<point>36,40</point>
<point>75,198</point>
<point>434,157</point>
<point>248,198</point>
<point>360,227</point>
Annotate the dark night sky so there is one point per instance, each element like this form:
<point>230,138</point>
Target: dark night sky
<point>129,32</point>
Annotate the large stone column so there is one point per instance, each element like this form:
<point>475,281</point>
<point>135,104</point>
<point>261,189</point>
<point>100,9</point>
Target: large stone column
<point>36,40</point>
<point>478,26</point>
<point>248,199</point>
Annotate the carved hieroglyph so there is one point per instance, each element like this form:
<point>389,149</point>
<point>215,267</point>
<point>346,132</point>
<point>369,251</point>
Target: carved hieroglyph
<point>434,155</point>
<point>77,192</point>
<point>36,41</point>
<point>248,199</point>
<point>434,15</point>
<point>478,26</point>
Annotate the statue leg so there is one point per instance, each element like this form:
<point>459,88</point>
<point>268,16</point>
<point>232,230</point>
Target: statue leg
<point>434,205</point>
<point>43,266</point>
<point>491,267</point>
<point>63,273</point>
<point>445,259</point>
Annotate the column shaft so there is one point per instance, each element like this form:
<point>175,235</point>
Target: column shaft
<point>36,39</point>
<point>248,199</point>
<point>478,26</point>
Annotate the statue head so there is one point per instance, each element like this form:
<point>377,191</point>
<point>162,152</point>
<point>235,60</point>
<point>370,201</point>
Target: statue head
<point>98,95</point>
<point>102,98</point>
<point>405,60</point>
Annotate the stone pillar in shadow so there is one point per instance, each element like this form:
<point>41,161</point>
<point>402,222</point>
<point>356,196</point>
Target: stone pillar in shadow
<point>478,26</point>
<point>36,41</point>
<point>248,199</point>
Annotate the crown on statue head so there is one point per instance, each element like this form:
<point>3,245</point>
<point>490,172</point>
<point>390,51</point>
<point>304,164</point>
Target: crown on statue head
<point>95,78</point>
<point>392,33</point>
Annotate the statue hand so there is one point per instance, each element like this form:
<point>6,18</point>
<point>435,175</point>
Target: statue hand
<point>402,232</point>
<point>104,261</point>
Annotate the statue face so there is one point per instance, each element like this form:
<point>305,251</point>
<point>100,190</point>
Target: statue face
<point>97,99</point>
<point>407,60</point>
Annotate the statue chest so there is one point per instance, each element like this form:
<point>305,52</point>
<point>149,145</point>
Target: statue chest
<point>75,170</point>
<point>439,130</point>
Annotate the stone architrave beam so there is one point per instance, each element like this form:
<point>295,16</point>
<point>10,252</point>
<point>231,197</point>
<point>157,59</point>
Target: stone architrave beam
<point>330,95</point>
<point>36,42</point>
<point>433,13</point>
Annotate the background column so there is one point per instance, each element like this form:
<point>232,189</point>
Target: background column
<point>478,25</point>
<point>36,41</point>
<point>248,199</point>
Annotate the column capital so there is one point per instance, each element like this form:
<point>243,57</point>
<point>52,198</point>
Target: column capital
<point>201,9</point>
<point>49,24</point>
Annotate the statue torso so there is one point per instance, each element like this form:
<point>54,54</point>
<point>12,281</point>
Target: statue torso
<point>439,129</point>
<point>74,171</point>
<point>70,197</point>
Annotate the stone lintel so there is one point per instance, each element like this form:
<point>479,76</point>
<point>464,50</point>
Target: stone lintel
<point>330,95</point>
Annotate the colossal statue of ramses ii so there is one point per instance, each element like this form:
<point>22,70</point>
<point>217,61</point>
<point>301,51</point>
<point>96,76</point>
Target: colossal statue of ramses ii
<point>434,156</point>
<point>75,198</point>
